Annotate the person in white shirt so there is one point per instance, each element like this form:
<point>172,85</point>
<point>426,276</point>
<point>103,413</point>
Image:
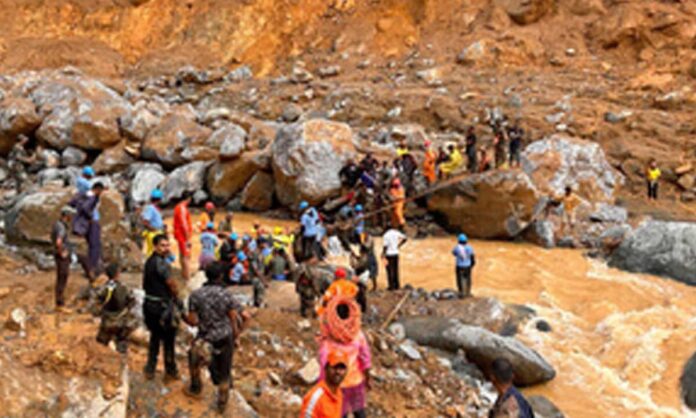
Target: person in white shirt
<point>393,240</point>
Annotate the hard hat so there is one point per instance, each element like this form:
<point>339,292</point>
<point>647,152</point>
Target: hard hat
<point>462,238</point>
<point>337,358</point>
<point>210,206</point>
<point>304,205</point>
<point>277,230</point>
<point>241,256</point>
<point>156,194</point>
<point>234,236</point>
<point>358,208</point>
<point>209,225</point>
<point>88,171</point>
<point>427,143</point>
<point>340,273</point>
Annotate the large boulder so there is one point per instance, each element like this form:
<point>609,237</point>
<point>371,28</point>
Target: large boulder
<point>480,345</point>
<point>177,139</point>
<point>146,178</point>
<point>17,117</point>
<point>258,193</point>
<point>495,204</point>
<point>558,161</point>
<point>688,383</point>
<point>78,111</point>
<point>113,160</point>
<point>142,118</point>
<point>72,156</point>
<point>307,157</point>
<point>659,247</point>
<point>186,179</point>
<point>227,178</point>
<point>524,12</point>
<point>228,140</point>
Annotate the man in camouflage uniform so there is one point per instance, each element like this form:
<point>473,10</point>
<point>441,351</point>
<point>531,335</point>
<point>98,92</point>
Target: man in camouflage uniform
<point>219,319</point>
<point>117,320</point>
<point>18,160</point>
<point>308,286</point>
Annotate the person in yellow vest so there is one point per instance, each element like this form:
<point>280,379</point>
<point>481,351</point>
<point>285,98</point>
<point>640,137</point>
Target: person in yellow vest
<point>653,173</point>
<point>453,163</point>
<point>282,239</point>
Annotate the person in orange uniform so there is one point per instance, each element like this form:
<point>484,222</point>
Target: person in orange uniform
<point>429,163</point>
<point>207,216</point>
<point>341,286</point>
<point>397,195</point>
<point>183,231</point>
<point>325,399</point>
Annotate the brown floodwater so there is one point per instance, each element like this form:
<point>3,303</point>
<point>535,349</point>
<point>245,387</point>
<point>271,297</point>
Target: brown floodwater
<point>619,340</point>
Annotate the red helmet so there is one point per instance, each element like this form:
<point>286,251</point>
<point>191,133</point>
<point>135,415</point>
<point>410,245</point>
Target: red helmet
<point>340,273</point>
<point>210,206</point>
<point>396,183</point>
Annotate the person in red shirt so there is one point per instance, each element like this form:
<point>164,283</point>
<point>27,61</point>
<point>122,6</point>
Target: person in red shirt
<point>183,232</point>
<point>325,399</point>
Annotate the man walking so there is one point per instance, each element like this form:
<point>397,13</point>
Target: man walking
<point>465,261</point>
<point>219,320</point>
<point>325,399</point>
<point>310,230</point>
<point>159,309</point>
<point>183,232</point>
<point>62,249</point>
<point>393,240</point>
<point>18,161</point>
<point>653,173</point>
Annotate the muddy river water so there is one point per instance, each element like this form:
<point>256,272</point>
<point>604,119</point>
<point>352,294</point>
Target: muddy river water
<point>618,340</point>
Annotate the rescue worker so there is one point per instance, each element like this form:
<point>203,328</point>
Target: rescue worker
<point>453,162</point>
<point>358,223</point>
<point>62,251</point>
<point>87,224</point>
<point>152,221</point>
<point>465,261</point>
<point>349,174</point>
<point>653,173</point>
<point>471,155</point>
<point>484,161</point>
<point>238,275</point>
<point>515,134</point>
<point>570,204</point>
<point>306,287</point>
<point>219,319</point>
<point>183,233</point>
<point>160,309</point>
<point>225,226</point>
<point>257,272</point>
<point>510,402</point>
<point>278,267</point>
<point>227,251</point>
<point>209,244</point>
<point>342,285</point>
<point>325,399</point>
<point>84,182</point>
<point>392,240</point>
<point>499,146</point>
<point>207,216</point>
<point>18,161</point>
<point>310,223</point>
<point>430,163</point>
<point>397,195</point>
<point>117,321</point>
<point>282,239</point>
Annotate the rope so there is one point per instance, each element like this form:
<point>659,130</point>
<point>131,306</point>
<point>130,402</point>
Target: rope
<point>338,329</point>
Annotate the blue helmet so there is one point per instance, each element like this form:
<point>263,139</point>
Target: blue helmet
<point>209,225</point>
<point>234,236</point>
<point>156,194</point>
<point>88,171</point>
<point>463,239</point>
<point>241,256</point>
<point>358,208</point>
<point>304,205</point>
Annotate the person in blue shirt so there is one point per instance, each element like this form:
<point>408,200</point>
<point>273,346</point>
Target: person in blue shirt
<point>209,243</point>
<point>152,221</point>
<point>238,274</point>
<point>84,182</point>
<point>311,228</point>
<point>465,262</point>
<point>359,220</point>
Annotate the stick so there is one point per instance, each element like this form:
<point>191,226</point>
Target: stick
<point>392,314</point>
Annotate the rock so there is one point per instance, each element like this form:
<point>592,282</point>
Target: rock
<point>50,158</point>
<point>226,178</point>
<point>78,111</point>
<point>543,408</point>
<point>688,383</point>
<point>554,118</point>
<point>306,159</point>
<point>291,112</point>
<point>140,120</point>
<point>559,161</point>
<point>113,160</point>
<point>683,169</point>
<point>410,351</point>
<point>412,133</point>
<point>186,179</point>
<point>176,140</point>
<point>609,214</point>
<point>659,247</point>
<point>432,76</point>
<point>687,181</point>
<point>258,193</point>
<point>475,53</point>
<point>301,75</point>
<point>397,331</point>
<point>17,117</point>
<point>330,71</point>
<point>229,140</point>
<point>481,346</point>
<point>692,69</point>
<point>16,320</point>
<point>309,373</point>
<point>145,179</point>
<point>543,326</point>
<point>688,197</point>
<point>32,217</point>
<point>215,114</point>
<point>63,177</point>
<point>524,12</point>
<point>240,73</point>
<point>542,232</point>
<point>495,204</point>
<point>240,408</point>
<point>670,101</point>
<point>617,117</point>
<point>72,157</point>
